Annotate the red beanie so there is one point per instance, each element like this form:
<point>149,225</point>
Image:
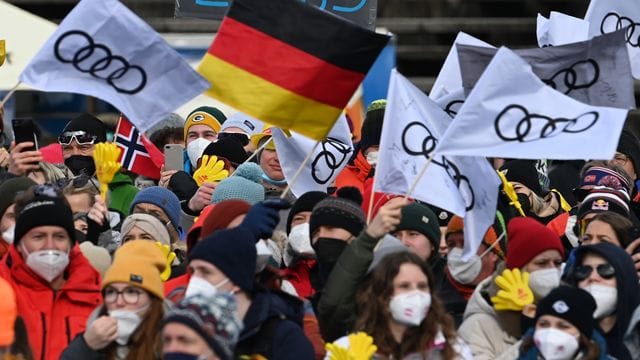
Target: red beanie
<point>527,239</point>
<point>222,214</point>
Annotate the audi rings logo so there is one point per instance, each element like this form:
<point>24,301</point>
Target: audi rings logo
<point>418,130</point>
<point>580,75</point>
<point>453,107</point>
<point>614,22</point>
<point>532,127</point>
<point>331,160</point>
<point>78,48</point>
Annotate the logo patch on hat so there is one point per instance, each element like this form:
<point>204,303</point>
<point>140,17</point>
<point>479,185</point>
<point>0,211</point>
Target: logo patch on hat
<point>443,215</point>
<point>248,124</point>
<point>589,178</point>
<point>560,307</point>
<point>199,116</point>
<point>135,278</point>
<point>600,204</point>
<point>425,219</point>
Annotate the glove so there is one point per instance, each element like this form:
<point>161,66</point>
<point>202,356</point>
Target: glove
<point>183,185</point>
<point>105,156</point>
<point>211,170</point>
<point>263,217</point>
<point>170,256</point>
<point>514,292</point>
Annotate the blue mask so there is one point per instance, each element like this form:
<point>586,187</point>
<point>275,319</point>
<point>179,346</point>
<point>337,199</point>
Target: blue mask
<point>183,356</point>
<point>274,182</point>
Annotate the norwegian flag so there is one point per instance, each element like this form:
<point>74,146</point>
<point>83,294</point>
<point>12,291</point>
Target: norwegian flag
<point>138,154</point>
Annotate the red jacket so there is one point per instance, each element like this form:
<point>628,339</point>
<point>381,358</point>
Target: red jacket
<point>355,174</point>
<point>53,318</point>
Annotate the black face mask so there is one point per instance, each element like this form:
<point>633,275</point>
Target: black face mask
<point>80,164</point>
<point>328,250</point>
<point>525,203</point>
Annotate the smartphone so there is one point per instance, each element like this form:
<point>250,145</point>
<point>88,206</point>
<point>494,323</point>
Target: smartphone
<point>24,130</point>
<point>173,157</point>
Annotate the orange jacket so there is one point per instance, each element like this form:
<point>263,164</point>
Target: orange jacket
<point>356,174</point>
<point>559,223</point>
<point>53,318</point>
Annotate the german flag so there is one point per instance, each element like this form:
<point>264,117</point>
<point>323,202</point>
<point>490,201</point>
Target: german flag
<point>289,64</point>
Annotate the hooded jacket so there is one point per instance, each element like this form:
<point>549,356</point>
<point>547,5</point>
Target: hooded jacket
<point>53,318</point>
<point>628,292</point>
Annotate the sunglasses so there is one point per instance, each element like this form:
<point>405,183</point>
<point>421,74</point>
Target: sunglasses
<point>241,138</point>
<point>606,271</point>
<point>81,137</point>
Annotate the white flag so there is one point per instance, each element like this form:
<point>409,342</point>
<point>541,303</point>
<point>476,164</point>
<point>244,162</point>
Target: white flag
<point>451,103</point>
<point>466,186</point>
<point>511,113</point>
<point>449,78</point>
<point>103,49</point>
<point>561,29</point>
<point>605,16</point>
<point>328,160</point>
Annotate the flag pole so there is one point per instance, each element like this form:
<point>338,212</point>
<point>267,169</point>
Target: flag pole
<point>255,153</point>
<point>11,92</point>
<point>420,174</point>
<point>299,171</point>
<point>371,196</point>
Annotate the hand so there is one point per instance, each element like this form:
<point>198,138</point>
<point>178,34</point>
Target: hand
<point>202,197</point>
<point>165,176</point>
<point>22,162</point>
<point>98,212</point>
<point>211,170</point>
<point>264,216</point>
<point>387,218</point>
<point>170,256</point>
<point>631,248</point>
<point>102,332</point>
<point>514,292</point>
<point>4,157</point>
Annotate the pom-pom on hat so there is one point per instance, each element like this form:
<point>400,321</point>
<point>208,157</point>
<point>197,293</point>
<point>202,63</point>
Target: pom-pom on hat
<point>527,239</point>
<point>342,211</point>
<point>245,184</point>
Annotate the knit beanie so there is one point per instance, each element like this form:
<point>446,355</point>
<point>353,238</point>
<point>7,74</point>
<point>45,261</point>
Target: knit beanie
<point>602,199</point>
<point>527,239</point>
<point>10,188</point>
<point>571,304</point>
<point>162,198</point>
<point>148,224</point>
<point>8,313</point>
<point>456,225</point>
<point>222,214</point>
<point>372,124</point>
<point>98,257</point>
<point>630,146</point>
<point>420,218</point>
<point>306,202</point>
<point>229,149</point>
<point>213,318</point>
<point>342,211</point>
<point>244,184</point>
<point>43,210</point>
<point>90,124</point>
<point>601,176</point>
<point>244,122</point>
<point>233,251</point>
<point>204,115</point>
<point>524,172</point>
<point>138,263</point>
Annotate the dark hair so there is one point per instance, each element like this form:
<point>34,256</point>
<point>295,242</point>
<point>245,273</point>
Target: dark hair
<point>621,225</point>
<point>166,135</point>
<point>20,347</point>
<point>373,315</point>
<point>588,347</point>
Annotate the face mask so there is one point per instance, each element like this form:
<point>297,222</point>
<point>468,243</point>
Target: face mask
<point>81,165</point>
<point>184,356</point>
<point>273,181</point>
<point>8,234</point>
<point>463,272</point>
<point>543,281</point>
<point>328,250</point>
<point>606,299</point>
<point>555,344</point>
<point>372,158</point>
<point>48,264</point>
<point>128,321</point>
<point>410,308</point>
<point>299,240</point>
<point>525,203</point>
<point>195,150</point>
<point>263,255</point>
<point>200,286</point>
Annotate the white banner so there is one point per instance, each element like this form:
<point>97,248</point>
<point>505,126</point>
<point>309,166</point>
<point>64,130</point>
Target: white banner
<point>466,186</point>
<point>561,29</point>
<point>103,49</point>
<point>329,158</point>
<point>511,113</point>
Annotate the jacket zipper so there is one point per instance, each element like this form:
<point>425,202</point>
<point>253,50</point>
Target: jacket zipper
<point>66,320</point>
<point>44,336</point>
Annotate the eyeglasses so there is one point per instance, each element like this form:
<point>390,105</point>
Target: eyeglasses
<point>129,295</point>
<point>606,271</point>
<point>81,137</point>
<point>242,138</point>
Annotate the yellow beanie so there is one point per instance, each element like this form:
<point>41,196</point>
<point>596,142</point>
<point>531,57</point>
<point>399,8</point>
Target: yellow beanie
<point>138,263</point>
<point>204,115</point>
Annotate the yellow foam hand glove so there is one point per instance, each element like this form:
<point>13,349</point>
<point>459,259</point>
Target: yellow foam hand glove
<point>337,352</point>
<point>170,256</point>
<point>105,157</point>
<point>361,346</point>
<point>514,293</point>
<point>3,52</point>
<point>211,170</point>
<point>511,193</point>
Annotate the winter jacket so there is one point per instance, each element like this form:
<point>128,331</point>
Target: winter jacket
<point>273,328</point>
<point>534,354</point>
<point>122,192</point>
<point>453,301</point>
<point>53,318</point>
<point>298,276</point>
<point>481,329</point>
<point>355,173</point>
<point>632,336</point>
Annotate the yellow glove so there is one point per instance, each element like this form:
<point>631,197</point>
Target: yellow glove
<point>514,292</point>
<point>211,170</point>
<point>105,157</point>
<point>511,193</point>
<point>3,52</point>
<point>337,352</point>
<point>170,255</point>
<point>361,346</point>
